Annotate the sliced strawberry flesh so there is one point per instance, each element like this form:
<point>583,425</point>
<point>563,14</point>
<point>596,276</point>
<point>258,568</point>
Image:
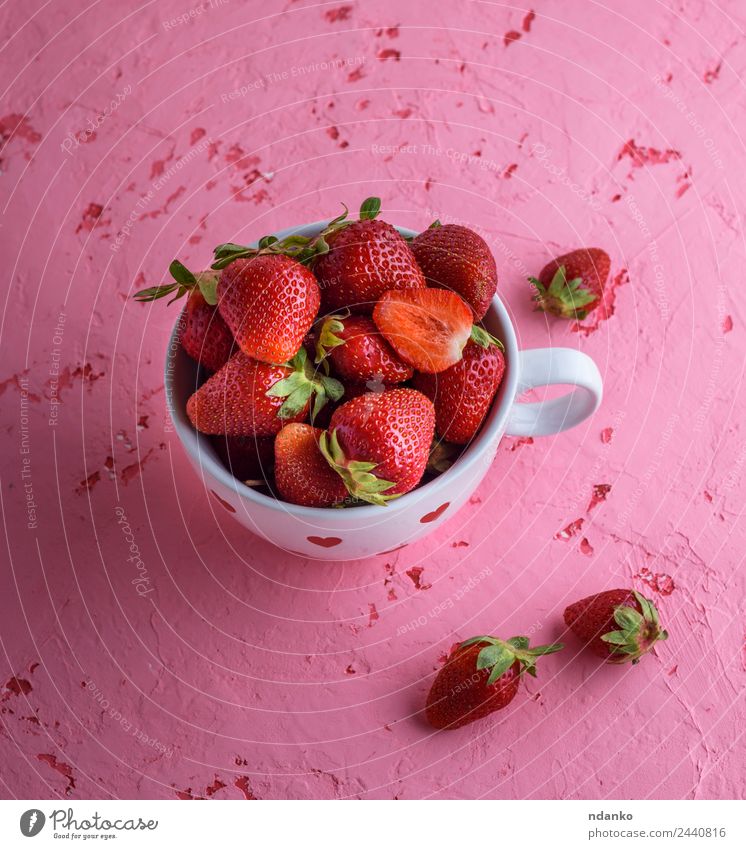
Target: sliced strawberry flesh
<point>428,328</point>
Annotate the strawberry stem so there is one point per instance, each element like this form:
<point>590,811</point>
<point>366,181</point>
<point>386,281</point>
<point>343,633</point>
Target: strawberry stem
<point>357,475</point>
<point>499,655</point>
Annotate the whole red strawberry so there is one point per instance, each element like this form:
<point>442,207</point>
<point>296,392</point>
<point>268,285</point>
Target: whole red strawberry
<point>358,351</point>
<point>571,285</point>
<point>456,258</point>
<point>204,335</point>
<point>302,474</point>
<point>269,302</point>
<point>463,393</point>
<point>365,259</point>
<point>379,443</point>
<point>250,398</point>
<point>618,625</point>
<point>480,676</point>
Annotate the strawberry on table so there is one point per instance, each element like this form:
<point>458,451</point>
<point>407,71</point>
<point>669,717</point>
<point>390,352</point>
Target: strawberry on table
<point>379,443</point>
<point>203,334</point>
<point>618,625</point>
<point>250,398</point>
<point>462,394</point>
<point>480,676</point>
<point>456,258</point>
<point>357,351</point>
<point>571,285</point>
<point>302,475</point>
<point>427,328</point>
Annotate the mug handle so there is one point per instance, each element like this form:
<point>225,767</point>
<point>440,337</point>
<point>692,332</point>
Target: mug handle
<point>545,367</point>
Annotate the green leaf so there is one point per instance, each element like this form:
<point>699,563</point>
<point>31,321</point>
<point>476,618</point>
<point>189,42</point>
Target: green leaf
<point>370,208</point>
<point>295,402</point>
<point>617,638</point>
<point>208,286</point>
<point>435,224</point>
<point>182,274</point>
<point>333,388</point>
<point>627,618</point>
<point>483,338</point>
<point>266,241</point>
<point>519,643</point>
<point>155,292</point>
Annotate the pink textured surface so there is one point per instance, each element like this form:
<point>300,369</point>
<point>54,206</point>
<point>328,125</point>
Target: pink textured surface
<point>233,670</point>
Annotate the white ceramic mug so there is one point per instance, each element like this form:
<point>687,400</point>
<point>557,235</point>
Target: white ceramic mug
<point>359,532</point>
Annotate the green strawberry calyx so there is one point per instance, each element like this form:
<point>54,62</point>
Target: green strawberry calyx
<point>499,655</point>
<point>184,281</point>
<point>484,338</point>
<point>357,475</point>
<point>327,338</point>
<point>305,382</point>
<point>564,298</point>
<point>638,632</point>
<point>304,249</point>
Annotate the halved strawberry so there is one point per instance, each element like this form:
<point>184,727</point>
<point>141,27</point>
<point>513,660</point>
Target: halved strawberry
<point>428,328</point>
<point>302,475</point>
<point>250,398</point>
<point>269,302</point>
<point>379,443</point>
<point>456,258</point>
<point>463,393</point>
<point>356,349</point>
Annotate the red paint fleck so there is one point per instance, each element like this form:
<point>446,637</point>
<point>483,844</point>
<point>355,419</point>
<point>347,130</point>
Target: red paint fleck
<point>727,324</point>
<point>158,166</point>
<point>673,670</point>
<point>607,434</point>
<point>196,135</point>
<point>186,794</point>
<point>462,543</point>
<point>392,595</point>
<point>616,198</point>
<point>324,542</point>
<point>350,670</point>
<point>642,156</point>
<point>570,531</point>
<point>242,782</point>
<point>528,20</point>
<point>17,125</point>
<point>508,172</point>
<point>229,507</point>
<point>17,687</point>
<point>600,491</point>
<point>373,616</point>
<point>511,36</point>
<point>15,380</point>
<point>712,74</point>
<point>130,472</point>
<point>435,514</point>
<point>61,767</point>
<point>362,105</point>
<point>213,788</point>
<point>415,574</point>
<point>606,308</point>
<point>332,132</point>
<point>683,188</point>
<point>585,547</point>
<point>392,32</point>
<point>403,113</point>
<point>708,497</point>
<point>341,13</point>
<point>515,444</point>
<point>389,53</point>
<point>90,218</point>
<point>658,582</point>
<point>89,482</point>
<point>355,76</point>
